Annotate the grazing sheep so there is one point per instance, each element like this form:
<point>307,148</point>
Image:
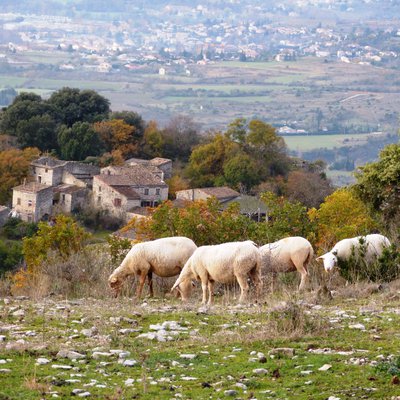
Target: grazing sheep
<point>222,263</point>
<point>287,255</point>
<point>374,245</point>
<point>163,257</point>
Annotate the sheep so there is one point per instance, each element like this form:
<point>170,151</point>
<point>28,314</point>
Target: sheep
<point>287,255</point>
<point>222,263</point>
<point>343,250</point>
<point>164,257</point>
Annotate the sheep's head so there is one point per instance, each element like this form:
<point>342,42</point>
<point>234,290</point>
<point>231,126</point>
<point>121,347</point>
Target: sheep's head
<point>329,260</point>
<point>115,285</point>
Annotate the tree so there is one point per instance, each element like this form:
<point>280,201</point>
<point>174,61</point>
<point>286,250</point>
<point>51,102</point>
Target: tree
<point>131,118</point>
<point>180,136</point>
<point>201,221</point>
<point>378,183</point>
<point>78,142</point>
<point>341,215</point>
<point>241,172</point>
<point>153,141</point>
<point>116,134</point>
<point>39,131</point>
<point>72,105</point>
<point>286,218</point>
<point>206,162</point>
<point>23,108</point>
<point>14,167</point>
<point>309,188</point>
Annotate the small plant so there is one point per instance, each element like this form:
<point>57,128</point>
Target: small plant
<point>389,367</point>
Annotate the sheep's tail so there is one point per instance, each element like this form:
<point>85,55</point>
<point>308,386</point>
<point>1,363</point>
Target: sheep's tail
<point>309,258</point>
<point>185,274</point>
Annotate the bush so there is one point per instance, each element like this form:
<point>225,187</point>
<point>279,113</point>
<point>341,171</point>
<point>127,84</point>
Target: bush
<point>81,274</point>
<point>15,229</point>
<point>98,219</point>
<point>10,256</point>
<point>385,269</point>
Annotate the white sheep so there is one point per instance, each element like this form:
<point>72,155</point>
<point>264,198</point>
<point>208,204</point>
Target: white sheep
<point>222,263</point>
<point>374,246</point>
<point>287,255</point>
<point>164,257</point>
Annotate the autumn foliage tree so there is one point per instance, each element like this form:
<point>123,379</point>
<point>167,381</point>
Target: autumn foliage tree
<point>14,167</point>
<point>202,221</point>
<point>342,215</point>
<point>115,135</point>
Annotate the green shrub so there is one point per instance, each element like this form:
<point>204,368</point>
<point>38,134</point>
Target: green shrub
<point>384,269</point>
<point>15,229</point>
<point>10,255</point>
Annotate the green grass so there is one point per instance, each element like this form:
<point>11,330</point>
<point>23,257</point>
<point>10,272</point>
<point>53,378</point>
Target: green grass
<point>310,142</point>
<point>222,340</point>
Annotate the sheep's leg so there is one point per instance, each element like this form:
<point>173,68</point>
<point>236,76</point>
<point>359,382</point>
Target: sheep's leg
<point>210,292</point>
<point>150,279</point>
<point>142,280</point>
<point>273,281</point>
<point>244,287</point>
<point>304,280</point>
<point>255,276</point>
<point>204,288</point>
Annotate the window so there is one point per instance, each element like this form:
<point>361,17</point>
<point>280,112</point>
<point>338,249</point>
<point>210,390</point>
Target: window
<point>63,198</point>
<point>98,199</point>
<point>117,202</point>
<point>30,203</point>
<point>18,201</point>
<point>146,191</point>
<point>157,191</point>
<point>99,188</point>
<point>39,179</point>
<point>46,170</point>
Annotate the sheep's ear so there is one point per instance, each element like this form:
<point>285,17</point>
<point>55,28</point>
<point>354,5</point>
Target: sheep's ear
<point>113,280</point>
<point>320,258</point>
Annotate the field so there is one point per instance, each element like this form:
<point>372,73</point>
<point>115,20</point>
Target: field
<point>290,347</point>
<point>309,142</point>
<point>291,93</point>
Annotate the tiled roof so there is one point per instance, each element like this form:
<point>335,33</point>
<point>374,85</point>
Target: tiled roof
<point>114,180</point>
<point>222,192</point>
<point>66,188</point>
<point>48,162</point>
<point>137,175</point>
<point>127,191</point>
<point>159,161</point>
<point>31,187</point>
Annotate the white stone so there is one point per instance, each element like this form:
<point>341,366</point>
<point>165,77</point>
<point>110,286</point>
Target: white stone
<point>260,371</point>
<point>19,313</point>
<point>325,367</point>
<point>129,363</point>
<point>98,354</point>
<point>72,355</point>
<point>188,356</point>
<point>129,382</point>
<point>42,361</point>
<point>57,366</point>
<point>307,372</point>
<point>361,327</point>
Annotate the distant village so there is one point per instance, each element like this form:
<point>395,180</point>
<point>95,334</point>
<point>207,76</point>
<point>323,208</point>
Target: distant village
<point>176,37</point>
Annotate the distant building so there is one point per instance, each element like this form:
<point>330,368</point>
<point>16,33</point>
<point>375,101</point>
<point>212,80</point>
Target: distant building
<point>222,194</point>
<point>32,201</point>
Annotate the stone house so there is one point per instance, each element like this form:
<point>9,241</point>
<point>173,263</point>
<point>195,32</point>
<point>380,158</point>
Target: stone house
<point>222,194</point>
<point>32,201</point>
<point>121,189</point>
<point>162,164</point>
<point>58,186</point>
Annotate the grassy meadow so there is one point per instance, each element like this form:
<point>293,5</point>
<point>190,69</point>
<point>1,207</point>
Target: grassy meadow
<point>290,346</point>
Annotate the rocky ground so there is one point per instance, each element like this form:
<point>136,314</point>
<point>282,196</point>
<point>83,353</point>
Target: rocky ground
<point>290,348</point>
